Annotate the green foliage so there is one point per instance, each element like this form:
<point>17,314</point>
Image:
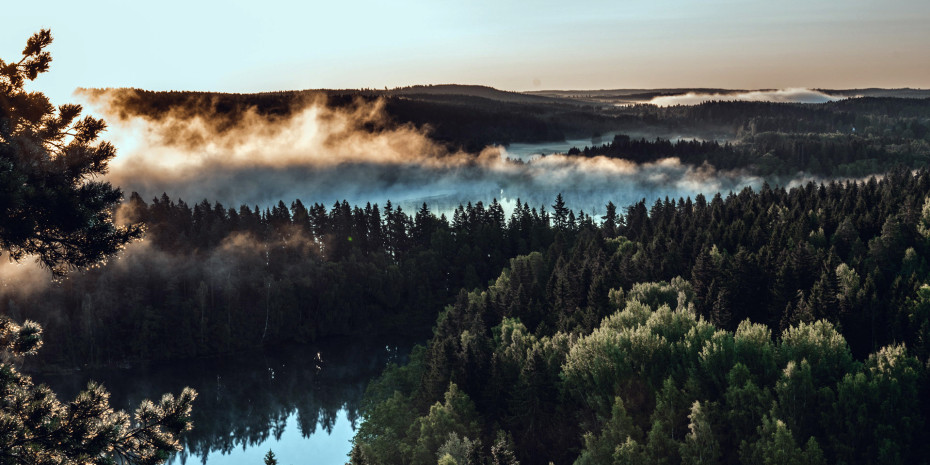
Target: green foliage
<point>51,206</point>
<point>460,450</point>
<point>383,434</point>
<point>777,446</point>
<point>714,361</point>
<point>397,378</point>
<point>823,347</point>
<point>455,416</point>
<point>393,432</point>
<point>35,427</point>
<point>269,458</point>
<point>796,397</point>
<point>502,452</point>
<point>675,294</point>
<point>618,439</point>
<point>661,446</point>
<point>745,404</point>
<point>653,385</point>
<point>883,395</point>
<point>700,445</point>
<point>923,223</point>
<point>918,318</point>
<point>754,349</point>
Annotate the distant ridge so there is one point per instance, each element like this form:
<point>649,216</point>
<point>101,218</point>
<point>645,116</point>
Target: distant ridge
<point>642,95</point>
<point>472,117</point>
<point>480,91</point>
<point>905,92</point>
<point>631,95</point>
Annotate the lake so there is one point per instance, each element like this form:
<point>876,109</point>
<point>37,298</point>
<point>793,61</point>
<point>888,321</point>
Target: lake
<point>528,151</point>
<point>302,401</point>
<point>299,401</point>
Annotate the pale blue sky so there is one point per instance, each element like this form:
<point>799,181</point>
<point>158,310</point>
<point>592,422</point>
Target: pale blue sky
<point>239,46</point>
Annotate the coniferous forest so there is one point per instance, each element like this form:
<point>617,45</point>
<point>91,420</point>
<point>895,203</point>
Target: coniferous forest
<point>778,324</point>
<point>689,326</point>
<point>764,327</point>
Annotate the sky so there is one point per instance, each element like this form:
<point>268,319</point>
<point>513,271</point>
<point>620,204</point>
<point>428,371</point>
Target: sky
<point>250,46</point>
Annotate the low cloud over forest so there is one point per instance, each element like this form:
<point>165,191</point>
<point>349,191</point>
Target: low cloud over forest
<point>323,153</point>
<point>794,95</point>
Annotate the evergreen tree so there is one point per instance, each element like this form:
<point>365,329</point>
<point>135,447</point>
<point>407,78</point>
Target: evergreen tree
<point>609,227</point>
<point>269,458</point>
<point>51,207</point>
<point>700,446</point>
<point>560,214</point>
<point>38,428</point>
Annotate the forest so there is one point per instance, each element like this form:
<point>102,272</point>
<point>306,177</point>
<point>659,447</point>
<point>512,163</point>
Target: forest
<point>853,137</point>
<point>779,326</point>
<point>211,280</point>
<point>620,330</point>
<point>846,138</point>
<point>788,323</point>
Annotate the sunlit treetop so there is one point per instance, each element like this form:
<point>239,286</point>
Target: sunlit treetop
<point>52,204</point>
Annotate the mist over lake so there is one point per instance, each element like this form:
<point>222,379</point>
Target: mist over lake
<point>461,274</point>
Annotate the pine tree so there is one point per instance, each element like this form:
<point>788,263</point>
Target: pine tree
<point>38,428</point>
<point>269,458</point>
<point>560,213</point>
<point>51,207</point>
<point>700,446</point>
<point>609,226</point>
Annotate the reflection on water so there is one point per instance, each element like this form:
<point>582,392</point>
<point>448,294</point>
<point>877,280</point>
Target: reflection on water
<point>291,447</point>
<point>300,401</point>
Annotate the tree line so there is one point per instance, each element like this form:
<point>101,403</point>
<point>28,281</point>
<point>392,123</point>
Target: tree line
<point>462,118</point>
<point>210,280</point>
<point>777,155</point>
<point>779,326</point>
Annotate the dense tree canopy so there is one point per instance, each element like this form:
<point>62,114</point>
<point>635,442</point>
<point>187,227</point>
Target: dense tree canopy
<point>779,326</point>
<point>680,331</point>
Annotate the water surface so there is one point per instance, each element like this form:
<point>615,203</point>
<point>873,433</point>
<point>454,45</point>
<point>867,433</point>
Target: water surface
<point>530,150</point>
<point>299,401</point>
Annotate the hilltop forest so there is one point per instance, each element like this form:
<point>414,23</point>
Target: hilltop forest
<point>688,323</point>
<point>772,325</point>
<point>779,326</point>
<point>852,137</point>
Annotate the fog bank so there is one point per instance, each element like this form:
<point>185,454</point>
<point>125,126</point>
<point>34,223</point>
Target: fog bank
<point>794,95</point>
<point>323,154</point>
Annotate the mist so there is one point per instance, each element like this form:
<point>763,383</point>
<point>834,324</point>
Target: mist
<point>21,278</point>
<point>793,95</point>
<point>322,154</point>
